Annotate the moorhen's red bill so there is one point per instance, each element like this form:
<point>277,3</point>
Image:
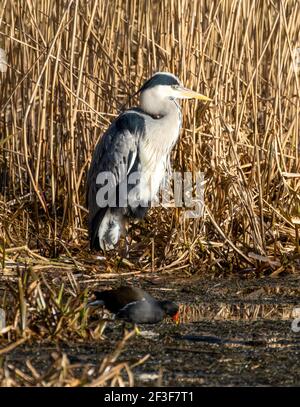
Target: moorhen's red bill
<point>135,305</point>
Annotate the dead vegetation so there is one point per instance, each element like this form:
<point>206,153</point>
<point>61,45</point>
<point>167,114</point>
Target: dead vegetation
<point>40,312</point>
<point>72,65</point>
<point>61,372</point>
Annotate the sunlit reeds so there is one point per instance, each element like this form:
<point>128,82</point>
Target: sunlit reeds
<point>73,64</point>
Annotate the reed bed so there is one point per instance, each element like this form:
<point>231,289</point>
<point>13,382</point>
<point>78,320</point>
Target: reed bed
<point>72,65</point>
<point>235,312</point>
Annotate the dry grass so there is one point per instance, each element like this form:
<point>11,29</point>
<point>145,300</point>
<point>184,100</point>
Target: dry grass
<point>73,64</point>
<point>61,372</point>
<point>40,312</point>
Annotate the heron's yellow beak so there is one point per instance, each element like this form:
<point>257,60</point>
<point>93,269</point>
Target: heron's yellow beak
<point>184,93</point>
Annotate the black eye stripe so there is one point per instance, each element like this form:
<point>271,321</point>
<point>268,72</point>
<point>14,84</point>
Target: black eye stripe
<point>160,79</point>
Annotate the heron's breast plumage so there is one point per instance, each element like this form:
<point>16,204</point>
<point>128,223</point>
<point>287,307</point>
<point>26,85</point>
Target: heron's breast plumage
<point>154,153</point>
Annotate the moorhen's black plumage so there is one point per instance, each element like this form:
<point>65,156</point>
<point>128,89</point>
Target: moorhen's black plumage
<point>135,305</point>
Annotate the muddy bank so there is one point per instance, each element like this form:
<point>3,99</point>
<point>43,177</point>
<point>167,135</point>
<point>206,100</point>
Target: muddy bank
<point>233,332</point>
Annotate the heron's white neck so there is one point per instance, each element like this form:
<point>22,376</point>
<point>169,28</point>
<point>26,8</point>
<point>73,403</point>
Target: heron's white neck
<point>161,133</point>
<point>163,128</point>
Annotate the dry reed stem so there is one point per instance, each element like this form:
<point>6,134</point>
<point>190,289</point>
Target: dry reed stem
<point>72,66</point>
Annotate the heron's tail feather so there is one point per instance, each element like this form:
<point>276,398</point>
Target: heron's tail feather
<point>110,229</point>
<point>94,223</point>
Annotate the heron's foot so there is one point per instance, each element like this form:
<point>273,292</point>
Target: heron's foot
<point>128,241</point>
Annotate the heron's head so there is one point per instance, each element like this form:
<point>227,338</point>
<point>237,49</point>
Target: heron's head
<point>163,87</point>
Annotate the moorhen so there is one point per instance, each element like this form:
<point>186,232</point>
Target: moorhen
<point>134,305</point>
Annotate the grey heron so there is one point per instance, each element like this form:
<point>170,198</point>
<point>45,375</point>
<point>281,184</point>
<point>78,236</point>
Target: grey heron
<point>139,141</point>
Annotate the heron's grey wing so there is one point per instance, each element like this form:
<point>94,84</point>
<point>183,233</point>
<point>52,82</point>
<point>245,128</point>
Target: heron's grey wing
<point>116,153</point>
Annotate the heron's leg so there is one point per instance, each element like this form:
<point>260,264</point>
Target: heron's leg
<point>128,240</point>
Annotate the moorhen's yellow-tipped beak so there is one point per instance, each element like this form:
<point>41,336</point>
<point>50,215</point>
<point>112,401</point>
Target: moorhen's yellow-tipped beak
<point>176,318</point>
<point>185,93</point>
